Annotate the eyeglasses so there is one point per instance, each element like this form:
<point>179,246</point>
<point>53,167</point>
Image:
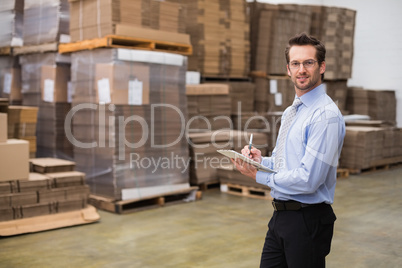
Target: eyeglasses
<point>306,64</point>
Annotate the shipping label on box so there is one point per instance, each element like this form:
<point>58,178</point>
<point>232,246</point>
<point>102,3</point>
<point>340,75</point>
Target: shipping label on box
<point>122,84</point>
<point>54,83</point>
<point>12,84</point>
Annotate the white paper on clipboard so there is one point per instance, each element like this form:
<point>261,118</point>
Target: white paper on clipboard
<point>235,155</point>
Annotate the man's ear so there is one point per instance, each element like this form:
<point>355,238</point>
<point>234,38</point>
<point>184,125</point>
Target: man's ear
<point>287,68</point>
<point>322,67</point>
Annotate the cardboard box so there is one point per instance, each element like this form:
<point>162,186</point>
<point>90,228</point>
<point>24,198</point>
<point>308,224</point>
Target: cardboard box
<point>54,83</point>
<point>3,127</point>
<point>33,185</point>
<point>122,84</point>
<point>50,165</point>
<point>67,179</point>
<point>14,160</point>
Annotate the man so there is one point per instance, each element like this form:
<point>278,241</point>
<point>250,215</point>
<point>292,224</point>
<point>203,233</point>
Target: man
<point>305,158</point>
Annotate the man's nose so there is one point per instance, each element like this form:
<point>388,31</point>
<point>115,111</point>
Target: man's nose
<point>302,69</point>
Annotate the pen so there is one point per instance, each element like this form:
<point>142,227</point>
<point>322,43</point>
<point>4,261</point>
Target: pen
<point>250,144</point>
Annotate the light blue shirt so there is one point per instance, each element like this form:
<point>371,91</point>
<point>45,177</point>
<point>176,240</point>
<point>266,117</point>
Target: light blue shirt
<point>312,149</point>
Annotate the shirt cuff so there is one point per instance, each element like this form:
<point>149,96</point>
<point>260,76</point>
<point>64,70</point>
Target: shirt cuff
<point>263,177</point>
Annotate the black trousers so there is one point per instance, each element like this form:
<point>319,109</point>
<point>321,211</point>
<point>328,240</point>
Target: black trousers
<point>298,239</point>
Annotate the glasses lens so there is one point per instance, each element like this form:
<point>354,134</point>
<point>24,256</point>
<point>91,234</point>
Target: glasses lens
<point>308,63</point>
<point>294,65</point>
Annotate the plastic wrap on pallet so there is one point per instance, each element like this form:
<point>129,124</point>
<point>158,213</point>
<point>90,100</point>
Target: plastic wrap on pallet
<point>50,140</point>
<point>128,124</point>
<point>10,79</point>
<point>11,18</point>
<point>31,65</point>
<point>46,21</point>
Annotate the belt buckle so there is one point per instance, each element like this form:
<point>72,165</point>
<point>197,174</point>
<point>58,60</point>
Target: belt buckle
<point>274,205</point>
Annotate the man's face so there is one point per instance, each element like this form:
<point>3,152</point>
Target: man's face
<point>305,79</point>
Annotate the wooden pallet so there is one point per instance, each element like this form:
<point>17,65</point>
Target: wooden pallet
<point>208,185</point>
<point>342,173</point>
<point>114,41</point>
<point>5,51</point>
<point>49,47</point>
<point>258,74</point>
<point>247,191</point>
<point>133,205</point>
<point>383,164</point>
<point>49,222</point>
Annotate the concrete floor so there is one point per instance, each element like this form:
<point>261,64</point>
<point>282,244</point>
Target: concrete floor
<point>220,231</point>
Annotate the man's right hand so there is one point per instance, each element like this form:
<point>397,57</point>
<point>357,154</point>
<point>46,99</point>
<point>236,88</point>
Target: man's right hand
<point>254,154</point>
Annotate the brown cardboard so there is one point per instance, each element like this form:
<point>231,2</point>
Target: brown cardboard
<point>20,199</point>
<point>69,205</point>
<point>49,165</point>
<point>14,162</point>
<point>67,179</point>
<point>6,187</point>
<point>52,195</point>
<point>48,222</point>
<point>33,210</point>
<point>164,36</point>
<point>113,81</point>
<point>33,185</point>
<point>6,214</point>
<point>22,114</point>
<point>3,127</point>
<point>54,82</point>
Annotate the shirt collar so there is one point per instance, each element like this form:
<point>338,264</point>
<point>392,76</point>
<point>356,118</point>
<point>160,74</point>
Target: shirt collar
<point>310,97</point>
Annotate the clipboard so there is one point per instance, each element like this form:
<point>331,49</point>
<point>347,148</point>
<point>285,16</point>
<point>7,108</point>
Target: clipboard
<point>235,155</point>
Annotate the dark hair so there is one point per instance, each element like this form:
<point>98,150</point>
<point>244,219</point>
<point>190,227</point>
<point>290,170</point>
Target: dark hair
<point>303,40</point>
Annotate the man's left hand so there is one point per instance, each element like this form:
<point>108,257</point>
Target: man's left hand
<point>245,168</point>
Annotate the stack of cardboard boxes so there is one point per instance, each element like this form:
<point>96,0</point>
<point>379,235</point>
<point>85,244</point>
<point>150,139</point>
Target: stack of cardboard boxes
<point>52,195</point>
<point>382,105</point>
<point>219,32</point>
<point>11,12</point>
<point>209,106</point>
<point>53,109</point>
<point>273,25</point>
<point>335,27</point>
<point>14,154</point>
<point>377,104</point>
<point>206,161</point>
<point>98,18</point>
<point>338,91</point>
<point>357,101</point>
<point>129,120</point>
<point>22,124</point>
<point>45,22</point>
<point>369,147</point>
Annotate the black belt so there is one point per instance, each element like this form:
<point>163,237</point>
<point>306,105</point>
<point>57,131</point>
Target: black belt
<point>289,205</point>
